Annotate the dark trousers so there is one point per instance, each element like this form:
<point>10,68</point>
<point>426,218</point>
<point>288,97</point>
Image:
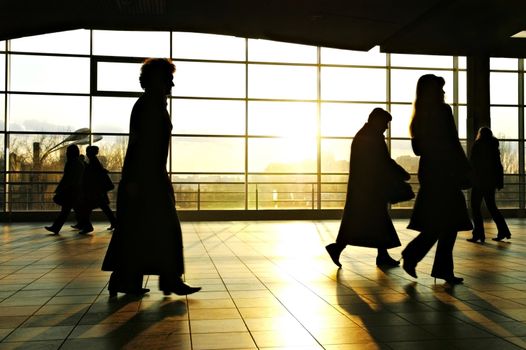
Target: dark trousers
<point>109,214</point>
<point>62,217</point>
<point>417,249</point>
<point>488,195</point>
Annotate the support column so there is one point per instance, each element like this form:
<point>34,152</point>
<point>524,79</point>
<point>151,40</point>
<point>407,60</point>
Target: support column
<point>478,96</point>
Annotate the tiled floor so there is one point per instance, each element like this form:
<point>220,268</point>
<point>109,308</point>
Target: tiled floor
<point>266,285</point>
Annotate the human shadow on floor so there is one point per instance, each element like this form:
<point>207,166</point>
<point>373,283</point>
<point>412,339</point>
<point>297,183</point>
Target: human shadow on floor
<point>132,325</point>
<point>467,319</point>
<point>378,309</point>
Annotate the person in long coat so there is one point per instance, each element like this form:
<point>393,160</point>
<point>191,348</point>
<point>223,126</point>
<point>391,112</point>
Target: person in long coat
<point>366,221</point>
<point>69,190</point>
<point>96,185</point>
<point>440,209</point>
<point>488,176</point>
<point>148,237</point>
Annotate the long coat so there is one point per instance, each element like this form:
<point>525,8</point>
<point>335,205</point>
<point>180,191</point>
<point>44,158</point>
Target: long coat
<point>443,168</point>
<point>148,237</point>
<point>366,221</point>
<point>488,172</point>
<point>69,189</point>
<point>95,193</point>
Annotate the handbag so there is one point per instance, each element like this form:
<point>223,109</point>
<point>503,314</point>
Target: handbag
<point>399,191</point>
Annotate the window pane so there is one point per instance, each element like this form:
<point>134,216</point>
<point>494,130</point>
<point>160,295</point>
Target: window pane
<point>425,61</point>
<point>509,196</point>
<point>462,87</point>
<point>2,172</point>
<point>208,117</point>
<point>503,63</point>
<point>49,74</point>
<point>462,122</point>
<point>2,72</point>
<point>112,114</point>
<point>462,62</point>
<point>209,79</point>
<point>70,42</point>
<point>504,88</point>
<point>275,51</point>
<point>402,153</point>
<point>353,84</point>
<point>131,43</point>
<point>509,155</point>
<point>48,113</point>
<point>2,45</point>
<point>292,119</point>
<point>348,57</point>
<point>505,122</point>
<point>335,155</point>
<point>113,76</point>
<point>284,82</point>
<point>208,154</point>
<point>112,150</point>
<point>282,155</point>
<point>401,120</point>
<point>208,46</point>
<point>51,148</point>
<point>2,112</point>
<point>344,119</point>
<point>403,84</point>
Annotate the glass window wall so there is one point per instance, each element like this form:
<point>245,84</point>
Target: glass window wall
<point>257,124</point>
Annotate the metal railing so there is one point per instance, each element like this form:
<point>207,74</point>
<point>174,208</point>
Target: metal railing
<point>29,196</point>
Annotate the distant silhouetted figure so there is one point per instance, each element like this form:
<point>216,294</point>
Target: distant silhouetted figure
<point>488,175</point>
<point>96,185</point>
<point>366,221</point>
<point>69,190</point>
<point>440,209</point>
<point>148,237</point>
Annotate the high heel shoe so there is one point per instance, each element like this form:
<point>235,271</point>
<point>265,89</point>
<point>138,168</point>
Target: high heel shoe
<point>334,252</point>
<point>138,292</point>
<point>410,268</point>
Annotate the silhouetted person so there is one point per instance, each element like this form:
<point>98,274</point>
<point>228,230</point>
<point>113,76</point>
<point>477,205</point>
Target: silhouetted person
<point>148,237</point>
<point>69,190</point>
<point>488,175</point>
<point>96,185</point>
<point>80,207</point>
<point>440,209</point>
<point>366,221</point>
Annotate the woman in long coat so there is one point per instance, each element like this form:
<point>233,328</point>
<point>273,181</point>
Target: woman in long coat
<point>440,208</point>
<point>68,193</point>
<point>488,176</point>
<point>148,237</point>
<point>97,183</point>
<point>366,221</point>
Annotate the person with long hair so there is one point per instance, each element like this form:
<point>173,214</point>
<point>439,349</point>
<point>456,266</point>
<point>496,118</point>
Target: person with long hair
<point>488,176</point>
<point>440,209</point>
<point>148,238</point>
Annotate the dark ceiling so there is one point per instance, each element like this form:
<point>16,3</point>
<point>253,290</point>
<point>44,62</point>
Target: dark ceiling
<point>449,27</point>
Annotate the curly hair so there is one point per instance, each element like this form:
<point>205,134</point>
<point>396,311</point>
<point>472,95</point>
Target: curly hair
<point>153,68</point>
